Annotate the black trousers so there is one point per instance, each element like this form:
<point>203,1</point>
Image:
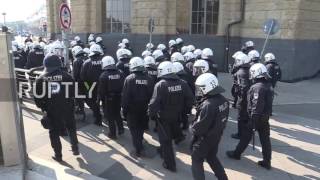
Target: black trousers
<point>95,107</point>
<point>55,132</point>
<point>263,128</point>
<point>111,109</point>
<point>137,137</point>
<point>167,132</point>
<point>206,150</point>
<point>243,116</point>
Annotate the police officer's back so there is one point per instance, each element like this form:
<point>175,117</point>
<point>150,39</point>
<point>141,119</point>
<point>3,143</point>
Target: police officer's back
<point>19,60</point>
<point>151,68</point>
<point>35,57</point>
<point>57,103</point>
<point>208,128</point>
<point>207,55</point>
<point>123,56</point>
<point>109,91</point>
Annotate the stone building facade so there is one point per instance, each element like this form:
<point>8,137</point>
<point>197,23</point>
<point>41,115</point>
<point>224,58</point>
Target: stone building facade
<point>296,45</point>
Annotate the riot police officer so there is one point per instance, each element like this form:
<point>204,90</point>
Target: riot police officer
<point>80,56</point>
<point>159,56</point>
<point>79,42</point>
<point>171,96</point>
<point>123,56</point>
<point>180,43</point>
<point>259,108</point>
<point>151,67</point>
<point>164,50</point>
<point>57,104</point>
<point>242,86</point>
<point>254,56</point>
<point>234,88</point>
<point>273,68</point>
<point>35,57</point>
<point>197,54</point>
<point>99,41</point>
<point>126,44</point>
<point>247,47</point>
<point>19,60</point>
<point>207,55</point>
<point>200,67</point>
<point>146,53</point>
<point>90,73</point>
<point>208,127</point>
<point>109,91</point>
<point>173,47</point>
<point>136,93</point>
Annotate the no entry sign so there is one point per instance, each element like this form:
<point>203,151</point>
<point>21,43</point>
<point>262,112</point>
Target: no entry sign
<point>65,16</point>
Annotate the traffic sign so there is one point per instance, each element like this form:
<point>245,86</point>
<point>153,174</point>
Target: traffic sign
<point>65,16</point>
<point>271,27</point>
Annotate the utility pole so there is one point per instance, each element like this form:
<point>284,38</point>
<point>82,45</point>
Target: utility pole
<point>4,18</point>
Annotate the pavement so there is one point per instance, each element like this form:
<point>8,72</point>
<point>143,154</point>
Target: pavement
<point>295,134</point>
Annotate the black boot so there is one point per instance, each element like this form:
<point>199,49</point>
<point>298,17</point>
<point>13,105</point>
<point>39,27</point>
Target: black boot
<point>265,164</point>
<point>232,155</point>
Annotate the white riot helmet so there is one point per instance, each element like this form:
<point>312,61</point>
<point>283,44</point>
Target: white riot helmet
<point>206,53</point>
<point>184,49</point>
<point>149,46</point>
<point>121,46</point>
<point>123,53</point>
<point>177,57</point>
<point>73,43</point>
<point>125,41</point>
<point>161,47</point>
<point>197,53</point>
<point>258,70</point>
<point>236,54</point>
<point>14,48</point>
<point>241,59</point>
<point>254,55</point>
<point>191,48</point>
<point>172,43</point>
<point>95,49</point>
<point>92,43</point>
<point>98,39</point>
<point>108,63</point>
<point>157,53</point>
<point>15,43</point>
<point>86,50</point>
<point>77,38</point>
<point>165,68</point>
<point>136,64</point>
<point>76,51</point>
<point>149,61</point>
<point>189,56</point>
<point>178,67</point>
<point>179,41</point>
<point>269,57</point>
<point>207,83</point>
<point>42,45</point>
<point>200,67</point>
<point>146,53</point>
<point>91,38</point>
<point>249,44</point>
<point>57,48</point>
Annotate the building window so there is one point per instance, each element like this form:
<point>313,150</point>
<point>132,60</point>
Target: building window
<point>205,14</point>
<point>118,16</point>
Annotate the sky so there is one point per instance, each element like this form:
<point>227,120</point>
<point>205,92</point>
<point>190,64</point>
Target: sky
<point>17,10</point>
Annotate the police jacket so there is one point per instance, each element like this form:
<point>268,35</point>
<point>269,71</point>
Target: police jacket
<point>110,84</point>
<point>58,103</point>
<point>91,69</point>
<point>35,58</point>
<point>212,119</point>
<point>260,99</point>
<point>153,73</point>
<point>19,60</point>
<point>77,65</point>
<point>171,97</point>
<point>136,93</point>
<point>188,78</point>
<point>274,71</point>
<point>213,67</point>
<point>242,78</point>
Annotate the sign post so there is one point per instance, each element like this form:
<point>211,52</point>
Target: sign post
<point>151,26</point>
<point>65,22</point>
<point>270,27</point>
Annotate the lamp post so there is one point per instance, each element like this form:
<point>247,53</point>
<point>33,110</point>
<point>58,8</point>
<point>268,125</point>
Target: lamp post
<point>4,18</point>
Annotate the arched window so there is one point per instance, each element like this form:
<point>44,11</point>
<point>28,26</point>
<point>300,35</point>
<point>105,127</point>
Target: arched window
<point>205,14</point>
<point>118,16</point>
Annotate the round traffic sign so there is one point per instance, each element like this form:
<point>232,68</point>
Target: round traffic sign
<point>271,26</point>
<point>65,16</point>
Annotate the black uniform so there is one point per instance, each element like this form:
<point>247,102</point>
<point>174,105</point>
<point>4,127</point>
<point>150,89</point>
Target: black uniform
<point>136,94</point>
<point>59,108</point>
<point>234,88</point>
<point>153,73</point>
<point>19,60</point>
<point>102,46</point>
<point>242,87</point>
<point>171,96</point>
<point>77,65</point>
<point>259,108</point>
<point>35,58</point>
<point>213,67</point>
<point>81,44</point>
<point>173,49</point>
<point>207,132</point>
<point>123,65</point>
<point>274,71</point>
<point>90,73</point>
<point>110,88</point>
